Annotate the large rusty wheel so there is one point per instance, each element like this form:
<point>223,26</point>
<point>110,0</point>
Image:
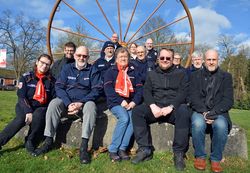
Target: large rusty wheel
<point>101,33</point>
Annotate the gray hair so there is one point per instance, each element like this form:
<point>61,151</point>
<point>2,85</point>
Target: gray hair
<point>197,54</point>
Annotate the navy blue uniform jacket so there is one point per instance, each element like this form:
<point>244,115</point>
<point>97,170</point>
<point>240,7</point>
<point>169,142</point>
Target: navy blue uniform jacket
<point>113,98</point>
<point>26,90</point>
<point>75,85</point>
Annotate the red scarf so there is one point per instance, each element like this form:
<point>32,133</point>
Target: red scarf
<point>123,84</point>
<point>40,94</point>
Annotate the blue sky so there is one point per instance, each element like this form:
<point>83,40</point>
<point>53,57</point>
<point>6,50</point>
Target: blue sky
<point>211,17</point>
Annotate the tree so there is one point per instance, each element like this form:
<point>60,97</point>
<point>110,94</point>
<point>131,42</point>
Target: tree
<point>23,38</point>
<point>162,36</point>
<point>78,40</point>
<point>238,65</point>
<point>227,45</point>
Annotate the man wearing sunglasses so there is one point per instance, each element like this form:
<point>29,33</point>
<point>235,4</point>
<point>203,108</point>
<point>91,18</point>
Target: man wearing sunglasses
<point>165,91</point>
<point>77,88</point>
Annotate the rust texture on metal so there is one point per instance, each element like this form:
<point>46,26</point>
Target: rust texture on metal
<point>105,16</point>
<point>191,24</point>
<point>78,34</point>
<point>130,40</point>
<point>130,20</point>
<point>49,26</point>
<point>149,17</point>
<point>160,28</point>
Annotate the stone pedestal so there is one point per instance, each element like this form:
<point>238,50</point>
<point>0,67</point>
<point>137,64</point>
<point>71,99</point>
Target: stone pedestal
<point>69,133</point>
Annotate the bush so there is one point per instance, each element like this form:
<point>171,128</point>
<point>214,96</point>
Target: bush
<point>242,104</point>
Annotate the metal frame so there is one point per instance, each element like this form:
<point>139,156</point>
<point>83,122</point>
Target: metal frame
<point>122,40</point>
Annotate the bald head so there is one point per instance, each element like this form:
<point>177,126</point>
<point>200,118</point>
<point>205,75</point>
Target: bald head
<point>81,56</point>
<point>149,44</point>
<point>211,60</point>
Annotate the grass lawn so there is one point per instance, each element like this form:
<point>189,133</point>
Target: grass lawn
<point>14,158</point>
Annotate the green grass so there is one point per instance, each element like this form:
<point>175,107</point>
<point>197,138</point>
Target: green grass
<point>14,158</point>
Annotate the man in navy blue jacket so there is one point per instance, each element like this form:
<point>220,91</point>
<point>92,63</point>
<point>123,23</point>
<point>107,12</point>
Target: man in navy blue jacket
<point>77,88</point>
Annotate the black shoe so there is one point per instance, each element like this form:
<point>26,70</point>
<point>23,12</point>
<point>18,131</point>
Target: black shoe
<point>179,161</point>
<point>84,157</point>
<point>142,155</point>
<point>44,148</point>
<point>114,157</point>
<point>123,155</point>
<point>29,146</point>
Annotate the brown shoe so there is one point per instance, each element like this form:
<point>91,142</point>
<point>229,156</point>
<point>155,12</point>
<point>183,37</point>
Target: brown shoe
<point>200,164</point>
<point>216,167</point>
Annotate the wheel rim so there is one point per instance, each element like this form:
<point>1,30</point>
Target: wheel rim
<point>122,37</point>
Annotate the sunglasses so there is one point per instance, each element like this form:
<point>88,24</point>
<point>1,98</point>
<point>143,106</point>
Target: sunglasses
<point>162,58</point>
<point>84,56</point>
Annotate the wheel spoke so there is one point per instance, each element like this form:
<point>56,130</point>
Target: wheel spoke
<point>172,44</point>
<point>103,13</point>
<point>75,33</point>
<point>86,19</point>
<point>160,28</point>
<point>147,19</point>
<point>119,18</point>
<point>132,15</point>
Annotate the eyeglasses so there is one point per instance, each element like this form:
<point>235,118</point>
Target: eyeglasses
<point>162,58</point>
<point>69,50</point>
<point>44,63</point>
<point>139,52</point>
<point>79,55</point>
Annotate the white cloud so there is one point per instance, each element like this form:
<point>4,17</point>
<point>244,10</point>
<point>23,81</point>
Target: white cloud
<point>182,35</point>
<point>208,25</point>
<point>240,37</point>
<point>245,43</point>
<point>207,3</point>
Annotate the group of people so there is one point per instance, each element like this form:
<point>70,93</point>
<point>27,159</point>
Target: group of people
<point>140,86</point>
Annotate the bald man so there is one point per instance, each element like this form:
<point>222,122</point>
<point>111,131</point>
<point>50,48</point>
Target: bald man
<point>211,97</point>
<point>77,87</point>
<point>151,53</point>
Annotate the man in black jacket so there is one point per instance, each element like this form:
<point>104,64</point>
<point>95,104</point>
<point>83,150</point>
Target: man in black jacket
<point>211,97</point>
<point>165,91</point>
<point>69,50</point>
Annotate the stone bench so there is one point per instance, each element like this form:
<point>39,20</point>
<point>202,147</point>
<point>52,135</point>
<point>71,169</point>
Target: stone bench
<point>69,133</point>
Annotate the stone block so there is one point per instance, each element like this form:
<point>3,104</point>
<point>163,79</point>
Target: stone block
<point>69,133</point>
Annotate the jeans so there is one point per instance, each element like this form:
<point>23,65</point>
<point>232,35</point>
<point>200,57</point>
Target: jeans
<point>123,129</point>
<point>219,132</point>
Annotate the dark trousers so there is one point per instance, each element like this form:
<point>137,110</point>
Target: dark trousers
<point>36,127</point>
<point>142,117</point>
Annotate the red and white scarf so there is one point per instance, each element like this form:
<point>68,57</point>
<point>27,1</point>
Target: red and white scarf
<point>40,93</point>
<point>123,85</point>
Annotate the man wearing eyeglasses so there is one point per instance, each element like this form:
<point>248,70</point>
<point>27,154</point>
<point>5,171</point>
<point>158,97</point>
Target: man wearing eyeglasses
<point>211,97</point>
<point>77,88</point>
<point>69,50</point>
<point>165,91</point>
